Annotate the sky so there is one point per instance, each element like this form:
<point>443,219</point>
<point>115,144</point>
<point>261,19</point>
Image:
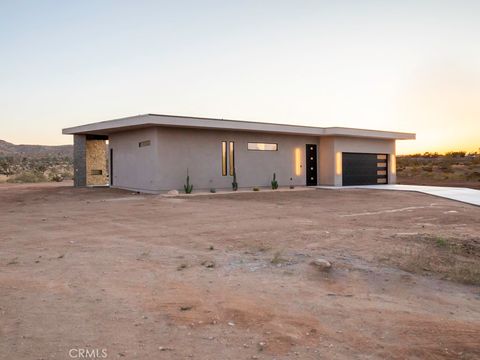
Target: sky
<point>406,65</point>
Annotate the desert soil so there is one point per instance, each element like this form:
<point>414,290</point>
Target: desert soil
<point>152,277</point>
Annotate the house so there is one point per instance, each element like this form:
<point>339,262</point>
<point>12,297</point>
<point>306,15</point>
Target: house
<point>153,153</point>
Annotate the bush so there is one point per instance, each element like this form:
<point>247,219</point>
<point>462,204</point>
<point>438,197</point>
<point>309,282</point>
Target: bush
<point>56,178</point>
<point>456,154</point>
<point>28,177</point>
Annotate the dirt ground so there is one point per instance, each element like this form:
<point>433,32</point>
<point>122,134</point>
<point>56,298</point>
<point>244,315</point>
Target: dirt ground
<point>229,276</point>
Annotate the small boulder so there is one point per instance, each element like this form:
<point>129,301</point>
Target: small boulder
<point>208,264</point>
<point>173,192</point>
<point>322,264</point>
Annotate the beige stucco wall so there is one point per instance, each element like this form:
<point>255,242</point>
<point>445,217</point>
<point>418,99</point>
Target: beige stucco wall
<point>134,167</point>
<point>96,159</point>
<point>200,152</point>
<point>163,165</point>
<point>331,159</point>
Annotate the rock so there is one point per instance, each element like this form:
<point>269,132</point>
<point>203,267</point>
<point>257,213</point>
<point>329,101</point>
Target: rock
<point>173,192</point>
<point>231,323</point>
<point>208,264</point>
<point>163,348</point>
<point>322,264</point>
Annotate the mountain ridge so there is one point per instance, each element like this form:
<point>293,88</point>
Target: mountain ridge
<point>27,150</point>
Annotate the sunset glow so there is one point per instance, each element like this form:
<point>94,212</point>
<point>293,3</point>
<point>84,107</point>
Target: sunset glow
<point>390,65</point>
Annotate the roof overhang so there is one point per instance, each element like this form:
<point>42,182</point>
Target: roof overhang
<point>149,120</point>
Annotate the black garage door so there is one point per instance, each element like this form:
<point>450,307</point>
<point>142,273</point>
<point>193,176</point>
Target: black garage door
<point>364,169</point>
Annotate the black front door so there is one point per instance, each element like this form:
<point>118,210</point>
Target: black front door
<point>311,163</point>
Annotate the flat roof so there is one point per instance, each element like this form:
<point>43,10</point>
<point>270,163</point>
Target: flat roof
<point>149,120</point>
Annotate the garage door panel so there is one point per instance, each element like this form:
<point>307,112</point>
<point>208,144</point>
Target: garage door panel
<point>364,169</point>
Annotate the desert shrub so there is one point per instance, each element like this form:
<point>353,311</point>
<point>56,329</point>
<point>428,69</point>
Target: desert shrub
<point>455,154</point>
<point>278,258</point>
<point>28,177</point>
<point>446,168</point>
<point>473,175</point>
<point>67,175</point>
<point>56,177</point>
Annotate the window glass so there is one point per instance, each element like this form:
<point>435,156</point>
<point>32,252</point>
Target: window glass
<point>232,157</point>
<point>224,158</point>
<point>144,143</point>
<point>262,146</point>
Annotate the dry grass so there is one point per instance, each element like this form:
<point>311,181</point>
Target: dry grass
<point>453,259</point>
<point>278,258</point>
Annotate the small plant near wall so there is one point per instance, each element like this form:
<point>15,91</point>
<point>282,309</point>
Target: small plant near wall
<point>291,184</point>
<point>256,188</point>
<point>234,182</point>
<point>274,182</point>
<point>188,187</point>
<point>213,190</point>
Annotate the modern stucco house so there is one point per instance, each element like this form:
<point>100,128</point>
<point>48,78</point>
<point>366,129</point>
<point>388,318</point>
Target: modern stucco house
<point>152,153</point>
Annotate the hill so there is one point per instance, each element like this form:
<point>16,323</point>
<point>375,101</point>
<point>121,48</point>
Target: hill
<point>35,151</point>
<point>456,168</point>
<point>35,163</point>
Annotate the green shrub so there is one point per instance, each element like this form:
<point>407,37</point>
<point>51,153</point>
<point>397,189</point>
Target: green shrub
<point>56,177</point>
<point>274,182</point>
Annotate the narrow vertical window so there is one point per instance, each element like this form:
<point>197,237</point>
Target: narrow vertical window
<point>224,158</point>
<point>232,157</point>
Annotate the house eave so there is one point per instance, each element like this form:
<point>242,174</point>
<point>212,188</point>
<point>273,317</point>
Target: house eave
<point>153,120</point>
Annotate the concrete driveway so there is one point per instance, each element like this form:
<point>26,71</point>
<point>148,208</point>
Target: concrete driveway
<point>466,195</point>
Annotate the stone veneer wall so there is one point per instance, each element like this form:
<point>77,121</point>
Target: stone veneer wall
<point>96,162</point>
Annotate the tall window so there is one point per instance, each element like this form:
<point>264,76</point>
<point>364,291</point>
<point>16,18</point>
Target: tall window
<point>224,158</point>
<point>232,157</point>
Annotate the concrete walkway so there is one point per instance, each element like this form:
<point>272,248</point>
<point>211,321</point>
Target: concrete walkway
<point>466,195</point>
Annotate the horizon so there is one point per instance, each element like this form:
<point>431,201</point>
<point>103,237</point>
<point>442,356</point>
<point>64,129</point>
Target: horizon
<point>390,66</point>
<point>477,151</point>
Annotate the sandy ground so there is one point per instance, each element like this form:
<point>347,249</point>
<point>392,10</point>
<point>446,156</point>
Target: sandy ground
<point>149,277</point>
